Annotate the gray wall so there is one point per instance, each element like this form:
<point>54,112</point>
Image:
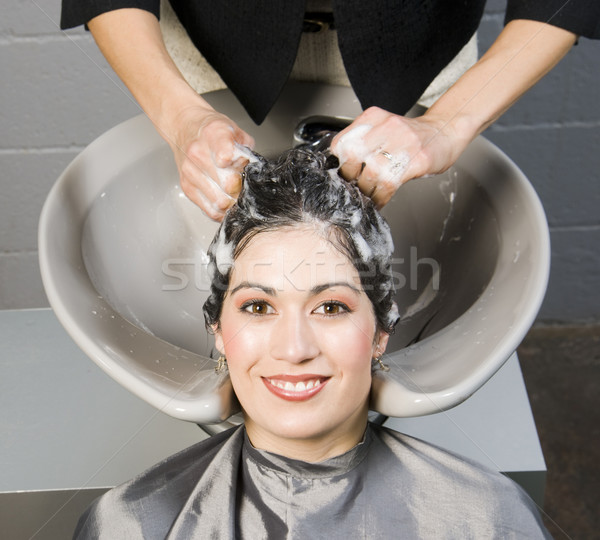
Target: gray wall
<point>58,94</point>
<point>553,134</point>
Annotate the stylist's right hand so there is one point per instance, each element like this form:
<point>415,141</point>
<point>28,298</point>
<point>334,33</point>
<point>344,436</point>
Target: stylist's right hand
<point>209,152</point>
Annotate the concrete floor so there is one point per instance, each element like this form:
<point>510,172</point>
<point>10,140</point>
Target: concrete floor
<point>561,367</point>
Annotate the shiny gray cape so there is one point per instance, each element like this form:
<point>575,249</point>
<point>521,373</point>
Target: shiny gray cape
<point>388,486</point>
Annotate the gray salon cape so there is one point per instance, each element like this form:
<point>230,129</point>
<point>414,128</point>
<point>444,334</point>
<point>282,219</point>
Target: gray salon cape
<point>388,486</point>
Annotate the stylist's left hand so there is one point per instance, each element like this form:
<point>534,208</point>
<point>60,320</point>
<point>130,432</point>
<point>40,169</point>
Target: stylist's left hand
<point>381,151</point>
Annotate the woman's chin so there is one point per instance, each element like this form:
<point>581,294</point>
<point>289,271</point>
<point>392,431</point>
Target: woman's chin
<point>317,429</point>
<point>297,428</point>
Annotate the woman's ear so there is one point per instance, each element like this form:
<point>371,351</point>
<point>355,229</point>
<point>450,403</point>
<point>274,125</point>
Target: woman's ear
<point>381,342</point>
<point>216,330</point>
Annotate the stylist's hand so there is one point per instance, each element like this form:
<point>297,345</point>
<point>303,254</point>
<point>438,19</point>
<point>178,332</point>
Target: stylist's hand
<point>381,151</point>
<point>211,152</point>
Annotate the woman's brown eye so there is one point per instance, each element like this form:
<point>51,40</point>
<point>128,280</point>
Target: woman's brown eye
<point>332,309</point>
<point>257,308</point>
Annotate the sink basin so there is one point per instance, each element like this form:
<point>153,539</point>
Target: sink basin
<point>123,260</point>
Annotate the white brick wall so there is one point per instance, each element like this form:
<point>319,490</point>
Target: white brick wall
<point>58,94</point>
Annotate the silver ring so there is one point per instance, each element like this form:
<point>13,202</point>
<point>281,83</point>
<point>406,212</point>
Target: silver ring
<point>386,155</point>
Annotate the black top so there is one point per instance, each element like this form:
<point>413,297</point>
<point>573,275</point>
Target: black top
<point>391,50</point>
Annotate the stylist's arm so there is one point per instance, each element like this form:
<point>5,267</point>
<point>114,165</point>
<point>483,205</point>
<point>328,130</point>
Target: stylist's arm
<point>205,142</point>
<point>381,151</point>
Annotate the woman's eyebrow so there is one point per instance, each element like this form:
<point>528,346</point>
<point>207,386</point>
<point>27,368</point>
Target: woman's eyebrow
<point>248,285</point>
<point>324,286</point>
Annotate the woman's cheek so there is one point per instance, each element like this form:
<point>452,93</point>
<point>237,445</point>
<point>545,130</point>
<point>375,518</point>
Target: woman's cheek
<point>353,341</point>
<point>242,343</point>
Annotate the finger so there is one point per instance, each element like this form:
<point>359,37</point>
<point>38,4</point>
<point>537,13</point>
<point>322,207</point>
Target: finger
<point>368,188</point>
<point>244,138</point>
<point>367,183</point>
<point>351,171</point>
<point>204,192</point>
<point>350,144</point>
<point>243,156</point>
<point>201,171</point>
<point>382,175</point>
<point>230,146</point>
<point>212,189</point>
<point>218,185</point>
<point>199,199</point>
<point>222,149</point>
<point>382,194</point>
<point>230,181</point>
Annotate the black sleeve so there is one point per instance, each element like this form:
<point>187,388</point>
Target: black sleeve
<point>78,12</point>
<point>582,17</point>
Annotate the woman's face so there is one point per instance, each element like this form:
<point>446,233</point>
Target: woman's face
<point>299,334</point>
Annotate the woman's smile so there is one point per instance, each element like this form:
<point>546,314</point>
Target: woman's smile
<point>295,387</point>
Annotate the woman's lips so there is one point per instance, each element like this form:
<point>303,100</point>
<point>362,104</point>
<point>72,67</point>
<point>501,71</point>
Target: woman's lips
<point>295,387</point>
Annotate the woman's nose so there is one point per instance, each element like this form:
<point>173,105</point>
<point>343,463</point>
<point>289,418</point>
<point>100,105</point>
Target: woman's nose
<point>293,339</point>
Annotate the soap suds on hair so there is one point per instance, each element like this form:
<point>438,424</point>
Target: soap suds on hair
<point>393,315</point>
<point>241,151</point>
<point>364,250</point>
<point>301,188</point>
<point>223,253</point>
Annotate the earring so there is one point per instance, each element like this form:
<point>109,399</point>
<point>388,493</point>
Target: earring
<point>221,364</point>
<point>382,366</point>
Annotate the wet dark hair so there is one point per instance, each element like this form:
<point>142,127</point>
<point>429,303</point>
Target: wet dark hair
<point>302,187</point>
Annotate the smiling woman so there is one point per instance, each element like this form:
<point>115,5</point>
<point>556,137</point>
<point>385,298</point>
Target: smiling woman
<point>299,344</point>
<point>304,308</point>
<point>301,306</point>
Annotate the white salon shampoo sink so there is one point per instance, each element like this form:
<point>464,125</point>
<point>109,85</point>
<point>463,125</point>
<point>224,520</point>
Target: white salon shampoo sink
<point>123,260</point>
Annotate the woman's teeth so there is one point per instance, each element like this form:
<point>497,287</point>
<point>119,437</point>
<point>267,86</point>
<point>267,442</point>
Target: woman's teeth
<point>297,387</point>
